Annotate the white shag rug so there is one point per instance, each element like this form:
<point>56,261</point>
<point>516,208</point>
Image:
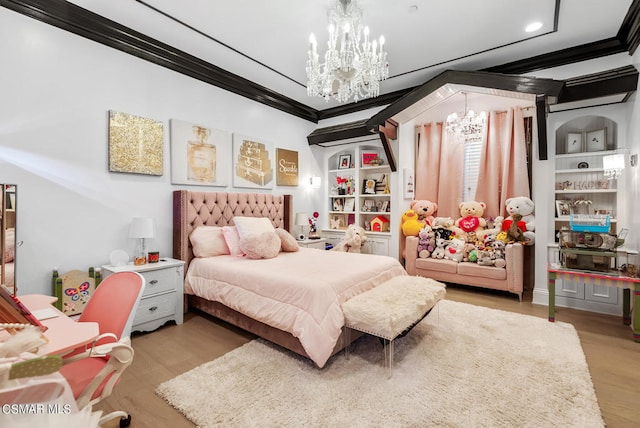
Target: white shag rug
<point>462,366</point>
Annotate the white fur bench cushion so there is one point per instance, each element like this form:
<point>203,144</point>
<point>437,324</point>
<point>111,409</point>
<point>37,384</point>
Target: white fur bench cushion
<point>390,308</point>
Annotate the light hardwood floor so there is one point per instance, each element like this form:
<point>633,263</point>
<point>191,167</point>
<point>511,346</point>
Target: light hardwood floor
<point>612,355</point>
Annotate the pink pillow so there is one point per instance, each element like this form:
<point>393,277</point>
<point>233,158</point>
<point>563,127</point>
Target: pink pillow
<point>208,241</point>
<point>288,242</point>
<point>232,240</point>
<point>263,245</point>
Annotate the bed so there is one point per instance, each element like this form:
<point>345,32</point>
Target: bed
<point>266,297</point>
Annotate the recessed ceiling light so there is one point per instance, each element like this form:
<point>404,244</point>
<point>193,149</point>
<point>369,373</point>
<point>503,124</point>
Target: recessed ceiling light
<point>534,26</point>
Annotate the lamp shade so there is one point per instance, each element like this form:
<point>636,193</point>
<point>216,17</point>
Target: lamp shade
<point>613,161</point>
<point>302,219</point>
<point>141,227</point>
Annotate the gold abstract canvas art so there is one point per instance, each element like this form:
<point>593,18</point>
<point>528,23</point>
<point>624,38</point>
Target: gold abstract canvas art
<point>135,144</point>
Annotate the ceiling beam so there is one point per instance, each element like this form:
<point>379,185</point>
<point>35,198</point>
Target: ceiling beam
<point>616,81</point>
<point>72,18</point>
<point>530,85</point>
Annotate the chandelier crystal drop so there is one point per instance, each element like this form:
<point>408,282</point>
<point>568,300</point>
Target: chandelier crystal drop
<point>467,124</point>
<point>353,65</point>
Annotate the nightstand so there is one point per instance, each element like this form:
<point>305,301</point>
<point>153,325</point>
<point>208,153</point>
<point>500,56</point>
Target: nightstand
<point>313,243</point>
<point>163,292</point>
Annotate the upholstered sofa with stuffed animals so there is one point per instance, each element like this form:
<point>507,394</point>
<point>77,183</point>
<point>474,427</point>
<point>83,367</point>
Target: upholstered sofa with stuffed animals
<point>508,278</point>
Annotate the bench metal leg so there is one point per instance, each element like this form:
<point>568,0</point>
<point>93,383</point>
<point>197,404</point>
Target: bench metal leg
<point>388,356</point>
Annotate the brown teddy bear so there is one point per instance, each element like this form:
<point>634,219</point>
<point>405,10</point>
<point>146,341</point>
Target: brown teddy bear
<point>425,210</point>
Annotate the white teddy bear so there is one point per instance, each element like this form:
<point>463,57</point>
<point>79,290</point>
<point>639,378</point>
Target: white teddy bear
<point>523,206</point>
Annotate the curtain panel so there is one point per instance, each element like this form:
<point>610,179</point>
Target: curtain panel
<point>503,172</point>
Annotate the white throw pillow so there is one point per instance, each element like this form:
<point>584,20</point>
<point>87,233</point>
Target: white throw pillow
<point>208,241</point>
<point>252,225</point>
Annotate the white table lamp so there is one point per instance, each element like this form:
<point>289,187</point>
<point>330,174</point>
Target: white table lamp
<point>141,229</point>
<point>301,226</point>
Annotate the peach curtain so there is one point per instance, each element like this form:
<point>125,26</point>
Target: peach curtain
<point>503,162</point>
<point>439,169</point>
<point>503,165</point>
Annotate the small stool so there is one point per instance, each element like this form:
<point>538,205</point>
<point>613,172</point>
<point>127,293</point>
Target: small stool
<point>392,309</point>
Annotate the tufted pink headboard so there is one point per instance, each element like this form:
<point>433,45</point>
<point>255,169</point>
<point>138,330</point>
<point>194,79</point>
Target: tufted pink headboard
<point>192,209</point>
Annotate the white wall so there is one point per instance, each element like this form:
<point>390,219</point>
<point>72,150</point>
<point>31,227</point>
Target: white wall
<point>57,89</point>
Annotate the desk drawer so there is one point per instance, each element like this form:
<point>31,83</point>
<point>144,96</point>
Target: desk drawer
<point>159,280</point>
<point>155,307</point>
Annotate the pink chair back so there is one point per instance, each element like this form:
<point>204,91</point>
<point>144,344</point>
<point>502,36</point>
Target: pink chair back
<point>113,305</point>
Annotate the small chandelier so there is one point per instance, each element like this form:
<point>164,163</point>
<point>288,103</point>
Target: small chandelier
<point>353,65</point>
<point>467,124</point>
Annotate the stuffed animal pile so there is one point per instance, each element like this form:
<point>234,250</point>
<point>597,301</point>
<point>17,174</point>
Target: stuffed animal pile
<point>470,238</point>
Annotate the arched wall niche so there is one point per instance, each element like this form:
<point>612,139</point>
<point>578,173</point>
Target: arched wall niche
<point>584,125</point>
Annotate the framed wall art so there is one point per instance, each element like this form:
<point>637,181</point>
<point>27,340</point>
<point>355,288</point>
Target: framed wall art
<point>368,158</point>
<point>597,140</point>
<point>136,144</point>
<point>253,163</point>
<point>563,208</point>
<point>574,142</point>
<point>408,183</point>
<point>344,162</point>
<point>369,186</point>
<point>286,167</point>
<point>199,155</point>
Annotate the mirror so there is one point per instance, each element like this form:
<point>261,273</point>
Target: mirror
<point>8,236</point>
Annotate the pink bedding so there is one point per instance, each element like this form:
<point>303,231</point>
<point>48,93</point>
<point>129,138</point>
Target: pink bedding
<point>300,292</point>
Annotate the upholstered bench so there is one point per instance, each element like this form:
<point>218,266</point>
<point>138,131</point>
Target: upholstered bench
<point>392,309</point>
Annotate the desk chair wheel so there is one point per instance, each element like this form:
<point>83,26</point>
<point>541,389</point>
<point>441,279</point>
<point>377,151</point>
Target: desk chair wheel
<point>125,422</point>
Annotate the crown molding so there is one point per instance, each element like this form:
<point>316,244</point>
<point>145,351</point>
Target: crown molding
<point>77,20</point>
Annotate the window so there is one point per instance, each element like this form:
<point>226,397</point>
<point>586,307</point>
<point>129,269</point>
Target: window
<point>471,169</point>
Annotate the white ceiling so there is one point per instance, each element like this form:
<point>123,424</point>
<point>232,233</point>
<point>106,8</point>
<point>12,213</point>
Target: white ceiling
<point>267,41</point>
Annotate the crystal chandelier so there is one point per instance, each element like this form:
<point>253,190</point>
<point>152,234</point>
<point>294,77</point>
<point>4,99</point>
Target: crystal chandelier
<point>467,124</point>
<point>353,65</point>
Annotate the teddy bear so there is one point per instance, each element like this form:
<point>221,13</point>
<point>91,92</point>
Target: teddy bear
<point>426,242</point>
<point>411,225</point>
<point>425,210</point>
<point>438,252</point>
<point>353,240</point>
<point>524,207</point>
<point>471,219</point>
<point>454,250</point>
